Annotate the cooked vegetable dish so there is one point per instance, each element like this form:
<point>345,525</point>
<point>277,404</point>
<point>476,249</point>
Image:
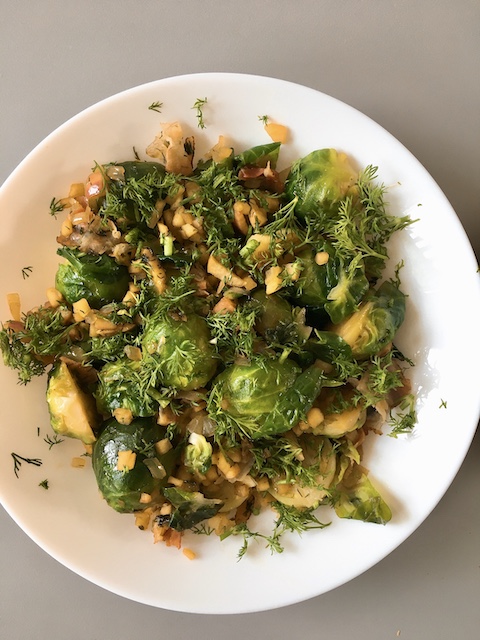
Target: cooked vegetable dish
<point>220,336</point>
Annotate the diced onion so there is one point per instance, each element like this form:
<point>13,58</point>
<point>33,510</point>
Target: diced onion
<point>155,467</point>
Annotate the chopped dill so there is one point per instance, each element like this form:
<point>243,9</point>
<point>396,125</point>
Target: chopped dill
<point>26,272</point>
<point>443,404</point>
<point>156,106</point>
<point>263,119</point>
<point>18,459</point>
<point>198,105</point>
<point>56,207</point>
<point>52,441</point>
<point>405,418</point>
<point>44,484</point>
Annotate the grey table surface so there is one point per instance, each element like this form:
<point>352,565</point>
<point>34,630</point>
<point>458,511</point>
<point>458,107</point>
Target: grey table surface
<point>410,65</point>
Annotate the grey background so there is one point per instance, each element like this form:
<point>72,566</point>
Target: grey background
<point>410,65</point>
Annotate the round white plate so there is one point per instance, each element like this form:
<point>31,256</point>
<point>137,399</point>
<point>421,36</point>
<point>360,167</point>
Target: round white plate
<point>440,334</point>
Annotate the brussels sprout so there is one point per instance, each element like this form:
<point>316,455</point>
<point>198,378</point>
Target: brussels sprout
<point>252,389</point>
<point>327,346</point>
<point>98,279</point>
<point>122,487</point>
<point>340,416</point>
<point>293,403</point>
<point>375,323</point>
<point>72,410</point>
<point>191,507</point>
<point>180,346</point>
<point>320,181</point>
<point>358,499</point>
<point>264,397</point>
<point>317,452</point>
<point>198,453</point>
<point>259,155</point>
<point>120,387</point>
<point>330,286</point>
<point>278,322</point>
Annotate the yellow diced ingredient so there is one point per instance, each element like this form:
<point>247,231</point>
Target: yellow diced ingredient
<point>142,519</point>
<point>66,228</point>
<point>123,416</point>
<point>315,417</point>
<point>81,309</point>
<point>15,306</point>
<point>126,460</point>
<point>145,498</point>
<point>54,297</point>
<point>257,215</point>
<point>191,555</point>
<point>273,281</point>
<point>177,482</point>
<point>263,484</point>
<point>321,257</point>
<point>163,446</point>
<point>77,190</point>
<point>78,463</point>
<point>277,132</point>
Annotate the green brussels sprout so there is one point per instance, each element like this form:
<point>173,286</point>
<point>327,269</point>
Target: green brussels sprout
<point>278,322</point>
<point>198,453</point>
<point>357,498</point>
<point>120,387</point>
<point>259,156</point>
<point>122,487</point>
<point>72,410</point>
<point>191,507</point>
<point>331,286</point>
<point>98,279</point>
<point>252,389</point>
<point>327,346</point>
<point>317,452</point>
<point>180,346</point>
<point>374,325</point>
<point>320,181</point>
<point>264,397</point>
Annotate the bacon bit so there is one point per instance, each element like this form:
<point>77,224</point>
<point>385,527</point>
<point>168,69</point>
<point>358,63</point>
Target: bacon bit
<point>14,325</point>
<point>248,172</point>
<point>173,538</point>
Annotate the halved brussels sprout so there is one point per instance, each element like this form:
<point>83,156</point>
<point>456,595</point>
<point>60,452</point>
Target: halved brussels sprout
<point>72,410</point>
<point>375,323</point>
<point>318,451</point>
<point>358,499</point>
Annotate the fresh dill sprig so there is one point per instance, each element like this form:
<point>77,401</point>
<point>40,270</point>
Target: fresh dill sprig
<point>18,459</point>
<point>52,441</point>
<point>198,105</point>
<point>233,333</point>
<point>26,272</point>
<point>156,106</point>
<point>56,207</point>
<point>405,418</point>
<point>263,119</point>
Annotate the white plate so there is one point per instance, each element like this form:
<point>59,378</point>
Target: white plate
<point>72,523</point>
